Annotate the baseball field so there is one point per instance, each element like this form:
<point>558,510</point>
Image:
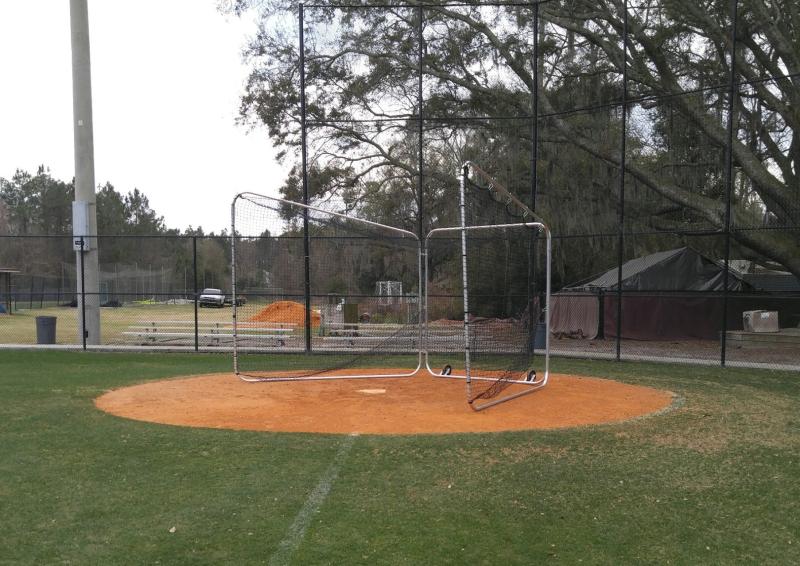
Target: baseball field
<point>711,480</point>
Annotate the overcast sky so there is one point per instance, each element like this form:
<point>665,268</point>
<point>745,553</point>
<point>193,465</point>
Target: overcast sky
<point>166,81</point>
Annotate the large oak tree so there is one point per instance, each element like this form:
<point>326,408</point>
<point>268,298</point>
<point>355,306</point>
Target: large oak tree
<point>362,64</point>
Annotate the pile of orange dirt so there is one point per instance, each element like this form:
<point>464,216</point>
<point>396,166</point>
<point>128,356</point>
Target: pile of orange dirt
<point>286,311</point>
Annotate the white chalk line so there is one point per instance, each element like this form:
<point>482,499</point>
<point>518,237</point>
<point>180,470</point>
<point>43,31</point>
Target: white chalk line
<point>297,530</point>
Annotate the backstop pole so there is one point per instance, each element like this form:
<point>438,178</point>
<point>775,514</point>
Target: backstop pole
<point>304,158</point>
<point>622,163</point>
<point>729,181</point>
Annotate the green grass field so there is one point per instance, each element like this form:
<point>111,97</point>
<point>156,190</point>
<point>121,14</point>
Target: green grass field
<point>20,328</point>
<point>716,481</point>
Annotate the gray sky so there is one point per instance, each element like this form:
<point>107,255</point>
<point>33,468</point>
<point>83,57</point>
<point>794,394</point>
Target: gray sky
<point>166,79</point>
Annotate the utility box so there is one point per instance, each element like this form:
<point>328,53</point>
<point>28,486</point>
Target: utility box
<point>760,321</point>
<point>81,226</point>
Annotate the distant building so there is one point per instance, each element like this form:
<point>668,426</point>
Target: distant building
<point>671,295</point>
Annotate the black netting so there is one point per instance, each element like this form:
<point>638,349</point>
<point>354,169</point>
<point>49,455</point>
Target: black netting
<point>503,292</point>
<point>628,151</point>
<point>351,301</point>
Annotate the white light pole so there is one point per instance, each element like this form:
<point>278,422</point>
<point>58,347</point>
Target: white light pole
<point>84,216</point>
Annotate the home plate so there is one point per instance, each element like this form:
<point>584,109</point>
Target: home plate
<point>372,391</point>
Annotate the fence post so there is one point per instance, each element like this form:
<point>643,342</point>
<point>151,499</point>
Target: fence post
<point>622,150</point>
<point>601,315</point>
<point>532,320</point>
<point>729,182</point>
<point>304,159</point>
<point>420,121</point>
<point>84,332</point>
<point>194,268</point>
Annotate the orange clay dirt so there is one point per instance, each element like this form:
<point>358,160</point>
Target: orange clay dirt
<point>416,405</point>
<point>286,311</point>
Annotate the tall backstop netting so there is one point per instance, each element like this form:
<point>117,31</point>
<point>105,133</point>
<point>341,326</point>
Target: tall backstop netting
<point>310,280</point>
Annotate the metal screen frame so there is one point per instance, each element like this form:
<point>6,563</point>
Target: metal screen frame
<point>533,385</point>
<point>423,350</point>
<point>305,207</point>
<point>536,384</point>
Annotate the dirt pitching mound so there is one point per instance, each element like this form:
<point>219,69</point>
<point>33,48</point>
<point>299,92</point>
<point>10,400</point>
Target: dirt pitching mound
<point>416,405</point>
<point>286,311</point>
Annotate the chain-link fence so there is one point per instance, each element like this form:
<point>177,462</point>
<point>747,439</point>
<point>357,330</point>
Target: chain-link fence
<point>152,296</point>
<point>658,140</point>
<point>655,138</point>
<point>151,291</point>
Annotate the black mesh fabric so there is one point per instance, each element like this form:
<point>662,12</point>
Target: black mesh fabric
<point>361,282</point>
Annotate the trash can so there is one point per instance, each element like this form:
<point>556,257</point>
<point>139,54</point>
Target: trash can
<point>540,336</point>
<point>45,330</point>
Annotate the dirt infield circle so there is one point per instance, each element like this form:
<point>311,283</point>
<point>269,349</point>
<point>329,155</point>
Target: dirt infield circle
<point>417,405</point>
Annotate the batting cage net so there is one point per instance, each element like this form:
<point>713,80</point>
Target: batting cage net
<point>340,292</point>
<point>487,294</point>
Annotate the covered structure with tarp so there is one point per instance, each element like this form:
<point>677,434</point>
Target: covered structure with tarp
<point>681,269</point>
<point>670,295</point>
